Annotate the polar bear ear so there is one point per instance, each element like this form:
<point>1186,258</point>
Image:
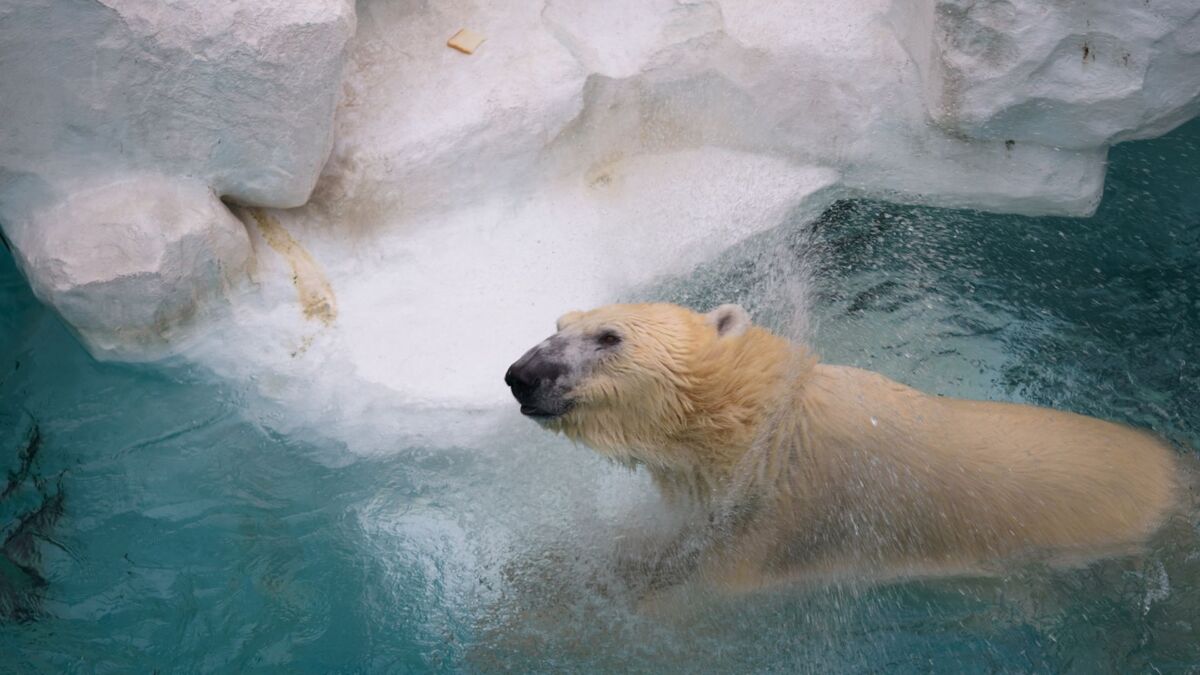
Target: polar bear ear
<point>729,320</point>
<point>567,319</point>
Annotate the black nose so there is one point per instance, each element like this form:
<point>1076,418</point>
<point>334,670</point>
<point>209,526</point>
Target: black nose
<point>514,381</point>
<point>530,372</point>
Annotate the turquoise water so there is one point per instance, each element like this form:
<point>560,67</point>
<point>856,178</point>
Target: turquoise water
<point>153,520</point>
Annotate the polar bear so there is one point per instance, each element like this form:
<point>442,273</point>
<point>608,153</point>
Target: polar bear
<point>808,470</point>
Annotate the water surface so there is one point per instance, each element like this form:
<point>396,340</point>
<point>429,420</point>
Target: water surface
<point>153,520</point>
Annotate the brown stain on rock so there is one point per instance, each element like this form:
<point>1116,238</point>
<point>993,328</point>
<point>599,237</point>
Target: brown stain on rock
<point>603,173</point>
<point>313,289</point>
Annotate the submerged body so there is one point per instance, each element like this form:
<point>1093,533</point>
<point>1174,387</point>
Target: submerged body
<point>817,470</point>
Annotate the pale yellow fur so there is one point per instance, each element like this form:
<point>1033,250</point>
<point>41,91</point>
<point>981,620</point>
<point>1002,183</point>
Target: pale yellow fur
<point>821,469</point>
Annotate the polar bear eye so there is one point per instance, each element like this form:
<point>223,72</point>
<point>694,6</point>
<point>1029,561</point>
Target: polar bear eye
<point>608,339</point>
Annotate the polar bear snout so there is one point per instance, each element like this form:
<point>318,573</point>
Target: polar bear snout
<point>537,381</point>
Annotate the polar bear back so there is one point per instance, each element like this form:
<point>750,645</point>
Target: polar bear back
<point>896,473</point>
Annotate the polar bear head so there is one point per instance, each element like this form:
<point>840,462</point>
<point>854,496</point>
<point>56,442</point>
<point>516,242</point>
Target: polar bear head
<point>655,384</point>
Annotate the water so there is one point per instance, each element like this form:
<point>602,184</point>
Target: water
<point>162,524</point>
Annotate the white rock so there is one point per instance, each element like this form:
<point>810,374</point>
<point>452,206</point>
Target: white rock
<point>422,126</point>
<point>131,281</point>
<point>237,94</point>
<point>154,109</point>
<point>1074,75</point>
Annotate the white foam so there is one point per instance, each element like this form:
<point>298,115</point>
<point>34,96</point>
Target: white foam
<point>429,317</point>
